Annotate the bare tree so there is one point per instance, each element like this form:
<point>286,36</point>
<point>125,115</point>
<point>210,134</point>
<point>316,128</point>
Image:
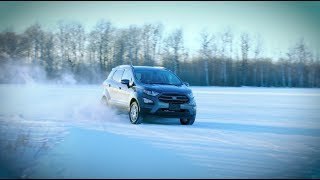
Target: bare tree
<point>302,55</point>
<point>151,39</point>
<point>77,39</point>
<point>11,48</point>
<point>205,53</point>
<point>214,53</point>
<point>175,42</point>
<point>64,42</point>
<point>49,55</point>
<point>282,64</point>
<point>146,44</point>
<point>257,53</point>
<point>226,53</point>
<point>34,35</point>
<point>290,55</point>
<point>244,51</point>
<point>120,47</point>
<point>299,55</point>
<point>134,44</point>
<point>156,38</point>
<point>100,44</point>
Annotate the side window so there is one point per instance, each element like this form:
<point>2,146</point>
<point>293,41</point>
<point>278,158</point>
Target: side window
<point>117,75</point>
<point>170,78</point>
<point>127,75</point>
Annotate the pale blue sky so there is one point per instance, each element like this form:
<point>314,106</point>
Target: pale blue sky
<point>280,24</point>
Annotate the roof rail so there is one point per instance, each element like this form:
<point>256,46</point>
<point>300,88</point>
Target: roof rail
<point>123,66</point>
<point>160,67</point>
<point>131,66</point>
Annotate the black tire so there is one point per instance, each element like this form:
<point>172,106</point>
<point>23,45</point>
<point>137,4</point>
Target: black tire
<point>134,113</point>
<point>104,101</point>
<point>187,121</point>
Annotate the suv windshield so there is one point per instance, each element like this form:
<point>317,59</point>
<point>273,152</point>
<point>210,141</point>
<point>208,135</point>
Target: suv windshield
<point>156,76</point>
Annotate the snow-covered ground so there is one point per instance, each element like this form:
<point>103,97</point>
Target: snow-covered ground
<point>61,131</point>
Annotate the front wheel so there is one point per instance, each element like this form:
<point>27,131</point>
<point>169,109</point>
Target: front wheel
<point>187,121</point>
<point>134,113</point>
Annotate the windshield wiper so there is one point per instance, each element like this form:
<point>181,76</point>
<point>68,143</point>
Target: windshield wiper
<point>147,82</point>
<point>167,84</point>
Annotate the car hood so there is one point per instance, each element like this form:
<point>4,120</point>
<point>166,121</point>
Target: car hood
<point>183,89</point>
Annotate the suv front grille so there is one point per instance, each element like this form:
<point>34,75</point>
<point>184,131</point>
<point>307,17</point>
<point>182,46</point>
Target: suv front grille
<point>174,98</point>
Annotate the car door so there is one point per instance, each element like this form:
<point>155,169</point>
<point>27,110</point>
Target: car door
<point>107,84</point>
<point>115,85</point>
<point>124,90</point>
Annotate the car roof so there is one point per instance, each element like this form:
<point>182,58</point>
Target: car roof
<point>147,67</point>
<point>140,67</point>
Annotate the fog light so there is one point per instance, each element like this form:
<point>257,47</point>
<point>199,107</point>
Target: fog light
<point>147,101</point>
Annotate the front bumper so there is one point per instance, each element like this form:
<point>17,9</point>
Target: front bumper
<point>159,108</point>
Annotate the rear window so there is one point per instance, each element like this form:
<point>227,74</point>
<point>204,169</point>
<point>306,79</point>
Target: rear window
<point>111,73</point>
<point>117,75</point>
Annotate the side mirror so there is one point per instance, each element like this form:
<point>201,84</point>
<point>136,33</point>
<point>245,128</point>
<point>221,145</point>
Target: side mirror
<point>187,84</point>
<point>125,81</point>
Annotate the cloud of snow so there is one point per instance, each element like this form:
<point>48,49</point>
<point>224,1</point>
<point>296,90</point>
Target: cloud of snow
<point>26,91</point>
<point>17,72</point>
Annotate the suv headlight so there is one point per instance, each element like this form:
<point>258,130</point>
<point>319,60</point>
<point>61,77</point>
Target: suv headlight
<point>192,100</point>
<point>151,93</point>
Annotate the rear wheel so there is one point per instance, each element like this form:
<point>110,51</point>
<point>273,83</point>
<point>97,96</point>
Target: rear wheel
<point>134,113</point>
<point>187,121</point>
<point>104,101</point>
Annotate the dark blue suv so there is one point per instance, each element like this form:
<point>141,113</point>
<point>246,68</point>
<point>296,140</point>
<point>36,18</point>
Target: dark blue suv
<point>149,91</point>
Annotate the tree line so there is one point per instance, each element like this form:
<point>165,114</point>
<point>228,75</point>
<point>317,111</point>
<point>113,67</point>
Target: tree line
<point>220,60</point>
